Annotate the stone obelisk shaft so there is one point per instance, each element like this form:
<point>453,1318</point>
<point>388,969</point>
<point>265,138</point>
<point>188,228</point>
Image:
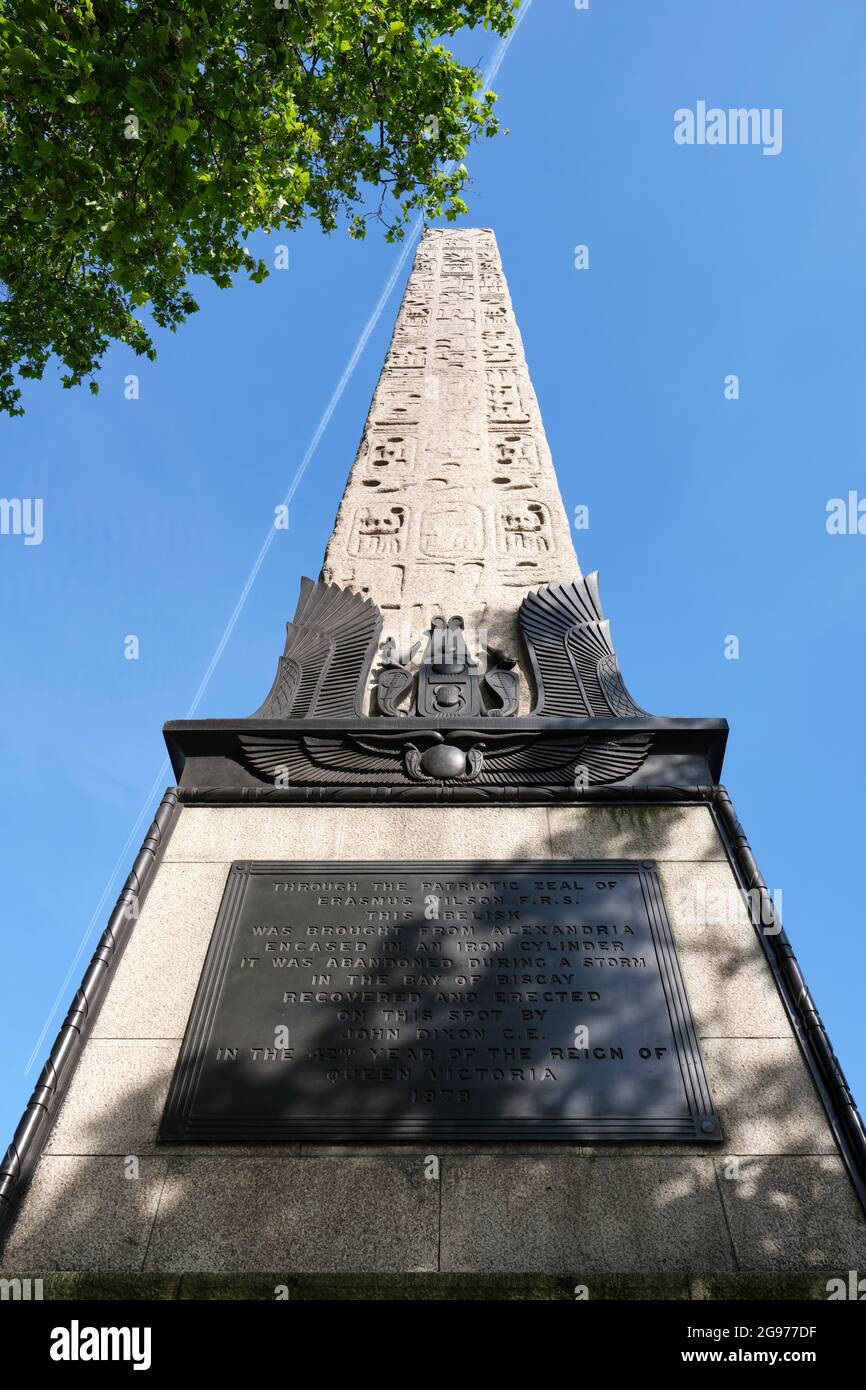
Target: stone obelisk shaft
<point>452,505</point>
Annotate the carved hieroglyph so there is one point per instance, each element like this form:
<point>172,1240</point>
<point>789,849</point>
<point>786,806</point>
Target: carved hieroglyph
<point>452,505</point>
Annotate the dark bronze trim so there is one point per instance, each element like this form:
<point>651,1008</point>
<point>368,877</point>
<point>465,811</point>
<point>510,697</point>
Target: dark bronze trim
<point>824,1066</point>
<point>323,758</point>
<point>420,795</point>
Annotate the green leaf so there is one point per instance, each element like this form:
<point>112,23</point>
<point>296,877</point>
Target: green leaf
<point>238,129</point>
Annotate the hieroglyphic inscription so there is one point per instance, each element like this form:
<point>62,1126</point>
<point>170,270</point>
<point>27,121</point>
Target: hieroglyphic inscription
<point>379,531</point>
<point>453,435</point>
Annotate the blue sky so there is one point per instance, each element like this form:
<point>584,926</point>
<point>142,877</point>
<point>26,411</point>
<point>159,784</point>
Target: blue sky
<point>707,515</point>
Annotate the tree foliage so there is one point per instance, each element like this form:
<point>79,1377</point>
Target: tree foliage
<point>142,141</point>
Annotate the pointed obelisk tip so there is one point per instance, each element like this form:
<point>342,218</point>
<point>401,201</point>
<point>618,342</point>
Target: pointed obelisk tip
<point>452,506</point>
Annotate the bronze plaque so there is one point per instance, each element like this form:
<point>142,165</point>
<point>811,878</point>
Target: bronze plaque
<point>506,1000</point>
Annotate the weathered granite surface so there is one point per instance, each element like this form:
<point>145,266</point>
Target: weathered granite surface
<point>774,1199</point>
<point>452,505</point>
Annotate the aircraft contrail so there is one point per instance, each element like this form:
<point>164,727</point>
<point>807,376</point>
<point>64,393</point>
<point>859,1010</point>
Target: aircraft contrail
<point>336,396</point>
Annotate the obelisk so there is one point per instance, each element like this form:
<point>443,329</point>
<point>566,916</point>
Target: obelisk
<point>452,505</point>
<point>450,960</point>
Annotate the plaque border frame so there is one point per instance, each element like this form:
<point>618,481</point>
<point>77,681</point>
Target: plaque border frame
<point>179,1125</point>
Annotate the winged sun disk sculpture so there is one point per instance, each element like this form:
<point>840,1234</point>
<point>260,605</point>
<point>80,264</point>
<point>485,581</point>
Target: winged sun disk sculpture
<point>329,651</point>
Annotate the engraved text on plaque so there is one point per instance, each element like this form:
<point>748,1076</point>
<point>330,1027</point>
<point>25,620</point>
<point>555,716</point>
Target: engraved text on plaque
<point>537,1000</point>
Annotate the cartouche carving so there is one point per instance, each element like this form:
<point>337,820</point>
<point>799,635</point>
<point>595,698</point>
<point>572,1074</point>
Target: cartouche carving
<point>455,530</point>
<point>525,530</point>
<point>379,531</point>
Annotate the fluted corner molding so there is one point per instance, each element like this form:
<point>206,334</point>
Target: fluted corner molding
<point>35,1124</point>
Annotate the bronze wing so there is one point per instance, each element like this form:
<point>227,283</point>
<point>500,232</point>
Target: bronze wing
<point>303,760</point>
<point>330,646</point>
<point>573,660</point>
<point>526,759</point>
<point>588,760</point>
